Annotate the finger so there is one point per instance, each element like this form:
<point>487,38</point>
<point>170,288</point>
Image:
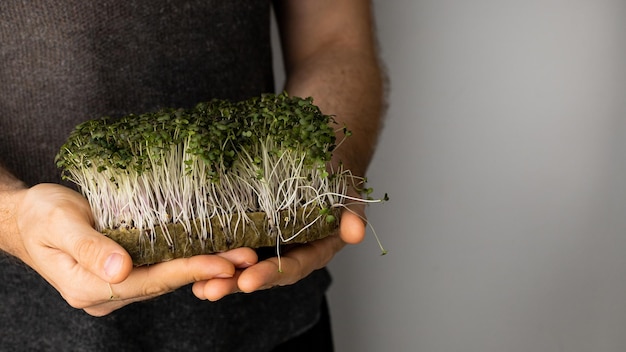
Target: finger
<point>292,267</point>
<point>146,282</point>
<point>240,257</point>
<point>216,289</point>
<point>352,225</point>
<point>151,281</point>
<point>353,221</point>
<point>93,251</point>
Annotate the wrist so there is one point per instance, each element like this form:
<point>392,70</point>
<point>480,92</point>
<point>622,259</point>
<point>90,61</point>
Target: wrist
<point>10,239</point>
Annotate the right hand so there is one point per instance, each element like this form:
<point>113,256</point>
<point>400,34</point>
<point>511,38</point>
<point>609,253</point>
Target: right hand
<point>91,271</point>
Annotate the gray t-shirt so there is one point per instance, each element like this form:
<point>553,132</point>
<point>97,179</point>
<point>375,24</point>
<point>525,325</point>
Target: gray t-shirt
<point>66,61</point>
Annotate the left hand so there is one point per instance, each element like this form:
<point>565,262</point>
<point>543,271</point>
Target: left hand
<point>296,264</point>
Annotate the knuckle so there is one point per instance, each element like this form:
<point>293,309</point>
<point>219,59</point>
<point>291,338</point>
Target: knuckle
<point>86,249</point>
<point>155,289</point>
<point>292,275</point>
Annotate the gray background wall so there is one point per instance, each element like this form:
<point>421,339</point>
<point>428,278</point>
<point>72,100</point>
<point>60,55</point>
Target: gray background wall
<point>504,155</point>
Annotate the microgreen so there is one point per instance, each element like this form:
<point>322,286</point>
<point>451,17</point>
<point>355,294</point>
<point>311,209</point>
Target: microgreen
<point>219,159</point>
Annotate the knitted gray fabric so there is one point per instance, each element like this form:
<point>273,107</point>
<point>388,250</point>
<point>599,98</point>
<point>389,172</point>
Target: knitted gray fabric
<point>62,62</point>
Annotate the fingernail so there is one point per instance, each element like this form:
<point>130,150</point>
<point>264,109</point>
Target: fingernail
<point>113,264</point>
<point>223,276</point>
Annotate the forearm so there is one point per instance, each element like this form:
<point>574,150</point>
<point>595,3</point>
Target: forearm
<point>350,88</point>
<point>330,54</point>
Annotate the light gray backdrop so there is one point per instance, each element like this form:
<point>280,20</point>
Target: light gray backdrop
<point>504,155</point>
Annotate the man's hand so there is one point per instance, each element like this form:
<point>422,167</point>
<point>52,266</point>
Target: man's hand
<point>90,271</point>
<point>297,263</point>
<point>300,261</point>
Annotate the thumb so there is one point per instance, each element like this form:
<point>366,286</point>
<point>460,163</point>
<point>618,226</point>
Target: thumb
<point>97,254</point>
<point>53,217</point>
<point>353,221</point>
